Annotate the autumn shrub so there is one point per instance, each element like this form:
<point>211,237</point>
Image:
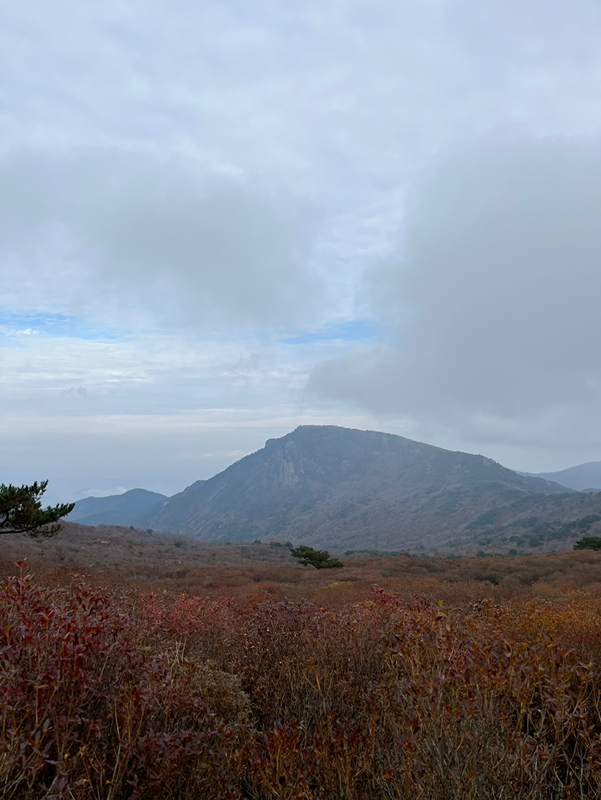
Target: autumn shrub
<point>116,695</point>
<point>88,712</point>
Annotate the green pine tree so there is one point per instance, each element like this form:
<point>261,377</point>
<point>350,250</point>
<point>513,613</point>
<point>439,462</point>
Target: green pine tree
<point>21,511</point>
<point>320,559</point>
<point>588,543</point>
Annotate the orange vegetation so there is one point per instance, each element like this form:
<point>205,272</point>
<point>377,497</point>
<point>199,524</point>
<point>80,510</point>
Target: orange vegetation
<point>280,682</point>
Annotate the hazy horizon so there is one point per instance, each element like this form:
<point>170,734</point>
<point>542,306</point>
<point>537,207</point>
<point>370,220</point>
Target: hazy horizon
<point>220,222</point>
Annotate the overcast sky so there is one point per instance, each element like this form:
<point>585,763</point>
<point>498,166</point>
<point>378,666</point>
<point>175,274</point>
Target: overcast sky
<point>219,221</point>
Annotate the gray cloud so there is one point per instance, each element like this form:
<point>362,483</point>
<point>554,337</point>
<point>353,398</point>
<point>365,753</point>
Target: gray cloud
<point>492,303</point>
<point>185,180</point>
<point>155,234</point>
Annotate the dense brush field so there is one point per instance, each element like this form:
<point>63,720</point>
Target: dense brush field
<point>319,686</point>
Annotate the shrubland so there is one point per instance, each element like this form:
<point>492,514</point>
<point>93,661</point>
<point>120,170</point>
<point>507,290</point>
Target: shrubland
<point>390,677</point>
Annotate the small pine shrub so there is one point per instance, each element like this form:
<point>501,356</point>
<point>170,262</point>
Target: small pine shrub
<point>320,559</point>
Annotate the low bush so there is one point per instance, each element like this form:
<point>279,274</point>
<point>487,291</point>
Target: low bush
<point>90,711</point>
<point>115,695</point>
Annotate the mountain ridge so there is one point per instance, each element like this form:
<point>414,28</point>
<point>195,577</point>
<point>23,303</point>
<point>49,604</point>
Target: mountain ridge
<point>582,477</point>
<point>117,509</point>
<point>345,488</point>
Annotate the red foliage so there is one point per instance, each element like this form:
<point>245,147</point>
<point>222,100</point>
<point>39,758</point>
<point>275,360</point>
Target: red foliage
<point>87,711</point>
<point>113,697</point>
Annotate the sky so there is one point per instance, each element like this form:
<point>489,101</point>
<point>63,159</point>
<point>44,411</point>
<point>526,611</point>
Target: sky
<point>219,221</point>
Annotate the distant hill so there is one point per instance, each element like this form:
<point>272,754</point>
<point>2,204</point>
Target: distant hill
<point>584,477</point>
<point>118,509</point>
<point>350,489</point>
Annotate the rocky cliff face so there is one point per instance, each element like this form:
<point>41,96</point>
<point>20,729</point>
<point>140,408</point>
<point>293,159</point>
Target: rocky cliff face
<point>345,489</point>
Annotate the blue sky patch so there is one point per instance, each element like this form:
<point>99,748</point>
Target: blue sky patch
<point>354,330</point>
<point>53,325</point>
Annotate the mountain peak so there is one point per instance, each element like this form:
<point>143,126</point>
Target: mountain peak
<point>342,487</point>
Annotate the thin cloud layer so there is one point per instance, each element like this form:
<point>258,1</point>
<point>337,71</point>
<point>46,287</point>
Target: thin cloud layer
<point>492,301</point>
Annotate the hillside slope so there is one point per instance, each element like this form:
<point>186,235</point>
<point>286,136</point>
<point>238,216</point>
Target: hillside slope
<point>118,509</point>
<point>341,488</point>
<point>583,477</point>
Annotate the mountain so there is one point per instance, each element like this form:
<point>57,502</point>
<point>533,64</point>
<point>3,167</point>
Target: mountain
<point>340,488</point>
<point>534,522</point>
<point>118,509</point>
<point>584,477</point>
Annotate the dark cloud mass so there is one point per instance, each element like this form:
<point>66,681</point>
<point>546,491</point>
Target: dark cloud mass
<point>492,301</point>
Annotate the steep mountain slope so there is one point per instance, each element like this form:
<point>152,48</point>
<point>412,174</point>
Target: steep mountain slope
<point>583,477</point>
<point>118,509</point>
<point>535,523</point>
<point>331,486</point>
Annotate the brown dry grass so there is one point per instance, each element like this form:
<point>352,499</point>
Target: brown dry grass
<point>153,562</point>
